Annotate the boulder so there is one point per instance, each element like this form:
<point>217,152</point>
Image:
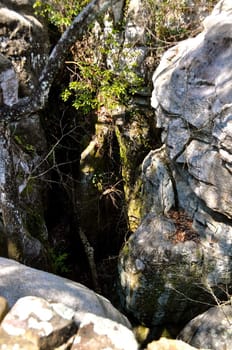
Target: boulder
<point>28,281</point>
<point>99,333</point>
<point>34,323</point>
<point>167,273</point>
<point>192,98</point>
<point>210,330</point>
<point>169,344</point>
<point>180,257</point>
<point>35,320</point>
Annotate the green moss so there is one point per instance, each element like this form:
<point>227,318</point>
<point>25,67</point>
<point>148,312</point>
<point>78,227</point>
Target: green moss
<point>126,166</point>
<point>125,251</point>
<point>166,334</point>
<point>26,147</point>
<point>131,173</point>
<point>141,333</point>
<point>59,261</point>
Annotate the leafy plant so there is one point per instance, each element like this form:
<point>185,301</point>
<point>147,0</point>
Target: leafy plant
<point>95,87</point>
<point>173,21</point>
<point>59,12</point>
<point>59,261</point>
<point>92,83</point>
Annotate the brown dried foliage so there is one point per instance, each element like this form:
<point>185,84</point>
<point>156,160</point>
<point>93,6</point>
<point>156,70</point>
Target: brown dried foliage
<point>184,230</point>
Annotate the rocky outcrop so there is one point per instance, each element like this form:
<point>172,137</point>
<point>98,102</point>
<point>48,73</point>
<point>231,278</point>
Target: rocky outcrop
<point>24,47</point>
<point>44,311</point>
<point>210,330</point>
<point>34,323</point>
<point>183,245</point>
<point>192,100</point>
<point>25,41</point>
<point>167,274</point>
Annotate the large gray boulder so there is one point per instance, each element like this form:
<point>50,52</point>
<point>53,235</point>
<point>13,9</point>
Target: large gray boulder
<point>17,281</point>
<point>168,274</point>
<point>210,330</point>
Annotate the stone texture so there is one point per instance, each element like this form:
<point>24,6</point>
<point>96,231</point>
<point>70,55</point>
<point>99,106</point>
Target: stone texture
<point>169,344</point>
<point>37,321</point>
<point>133,136</point>
<point>192,93</point>
<point>25,41</point>
<point>210,330</point>
<point>36,324</point>
<point>167,272</point>
<point>192,100</point>
<point>157,179</point>
<point>28,281</point>
<point>11,343</point>
<point>24,45</point>
<point>99,333</point>
<point>8,82</point>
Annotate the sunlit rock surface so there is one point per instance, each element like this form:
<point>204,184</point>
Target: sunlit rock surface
<point>210,330</point>
<point>192,98</point>
<point>35,323</point>
<point>177,259</point>
<point>28,281</point>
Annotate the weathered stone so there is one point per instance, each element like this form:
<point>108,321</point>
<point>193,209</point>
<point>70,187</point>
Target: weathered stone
<point>210,330</point>
<point>37,321</point>
<point>3,308</point>
<point>24,39</point>
<point>169,344</point>
<point>11,343</point>
<point>133,136</point>
<point>28,281</point>
<point>192,94</point>
<point>8,82</point>
<point>100,333</point>
<point>158,265</point>
<point>158,191</point>
<point>168,271</point>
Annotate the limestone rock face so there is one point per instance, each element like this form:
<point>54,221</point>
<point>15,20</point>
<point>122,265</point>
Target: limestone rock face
<point>24,48</point>
<point>8,82</point>
<point>192,97</point>
<point>157,179</point>
<point>210,330</point>
<point>175,254</point>
<point>25,40</point>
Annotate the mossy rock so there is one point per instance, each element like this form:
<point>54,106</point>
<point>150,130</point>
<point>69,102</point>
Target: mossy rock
<point>166,280</point>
